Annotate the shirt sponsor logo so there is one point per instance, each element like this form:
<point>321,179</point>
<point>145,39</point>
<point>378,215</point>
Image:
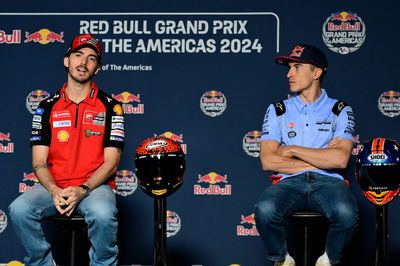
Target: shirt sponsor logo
<point>117,119</point>
<point>61,114</point>
<point>292,134</point>
<point>119,133</point>
<point>94,118</point>
<point>118,109</point>
<point>64,123</point>
<point>63,136</point>
<point>36,125</point>
<point>37,118</point>
<point>89,133</point>
<point>117,126</point>
<point>116,138</point>
<point>39,111</point>
<point>36,138</point>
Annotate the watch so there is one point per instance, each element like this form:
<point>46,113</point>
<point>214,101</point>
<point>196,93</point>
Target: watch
<point>87,190</point>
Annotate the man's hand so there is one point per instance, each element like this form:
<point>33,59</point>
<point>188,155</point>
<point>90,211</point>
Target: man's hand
<point>67,199</point>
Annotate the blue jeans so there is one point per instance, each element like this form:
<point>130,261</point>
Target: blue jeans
<point>100,212</point>
<point>307,191</point>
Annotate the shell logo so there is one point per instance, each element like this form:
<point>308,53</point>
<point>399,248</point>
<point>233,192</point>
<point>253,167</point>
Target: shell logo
<point>63,136</point>
<point>118,109</point>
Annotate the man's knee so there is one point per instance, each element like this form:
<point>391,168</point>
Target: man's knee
<point>346,216</point>
<point>265,212</point>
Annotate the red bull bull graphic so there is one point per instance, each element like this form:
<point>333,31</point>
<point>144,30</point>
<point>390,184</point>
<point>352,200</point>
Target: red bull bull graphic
<point>297,51</point>
<point>44,36</point>
<point>126,182</point>
<point>3,221</point>
<point>213,103</point>
<point>344,32</point>
<point>29,181</point>
<point>173,223</point>
<point>216,184</point>
<point>247,226</point>
<point>173,136</point>
<point>126,99</point>
<point>13,38</point>
<point>34,98</point>
<point>251,143</point>
<point>389,103</point>
<point>7,147</point>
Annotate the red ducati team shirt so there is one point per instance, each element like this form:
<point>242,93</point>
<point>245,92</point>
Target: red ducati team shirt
<point>77,134</point>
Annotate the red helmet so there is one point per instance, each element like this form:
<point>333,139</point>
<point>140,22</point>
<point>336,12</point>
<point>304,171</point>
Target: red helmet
<point>378,170</point>
<point>160,165</point>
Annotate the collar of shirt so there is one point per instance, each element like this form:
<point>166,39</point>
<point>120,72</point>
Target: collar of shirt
<point>90,98</point>
<point>311,107</point>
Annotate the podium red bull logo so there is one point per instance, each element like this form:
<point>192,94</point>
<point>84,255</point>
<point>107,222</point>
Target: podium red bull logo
<point>13,38</point>
<point>175,137</point>
<point>173,223</point>
<point>6,146</point>
<point>126,182</point>
<point>44,36</point>
<point>212,184</point>
<point>29,181</point>
<point>213,103</point>
<point>251,143</point>
<point>3,221</point>
<point>247,226</point>
<point>34,98</point>
<point>128,100</point>
<point>389,103</point>
<point>344,32</point>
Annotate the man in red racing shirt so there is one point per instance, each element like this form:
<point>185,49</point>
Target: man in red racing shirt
<point>77,139</point>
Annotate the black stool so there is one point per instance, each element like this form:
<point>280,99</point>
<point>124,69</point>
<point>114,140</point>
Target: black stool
<point>308,219</point>
<point>72,224</point>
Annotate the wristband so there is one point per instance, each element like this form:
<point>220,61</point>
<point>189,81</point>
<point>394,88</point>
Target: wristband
<point>87,190</point>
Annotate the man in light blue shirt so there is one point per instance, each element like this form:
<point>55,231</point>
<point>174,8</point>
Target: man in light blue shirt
<point>306,141</point>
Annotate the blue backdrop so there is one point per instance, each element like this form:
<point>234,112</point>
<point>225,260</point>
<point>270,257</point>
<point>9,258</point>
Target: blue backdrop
<point>202,73</point>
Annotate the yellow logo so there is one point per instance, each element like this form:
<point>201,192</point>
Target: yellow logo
<point>63,136</point>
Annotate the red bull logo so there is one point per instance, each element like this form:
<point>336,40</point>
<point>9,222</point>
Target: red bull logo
<point>5,137</point>
<point>251,143</point>
<point>126,182</point>
<point>389,103</point>
<point>213,97</point>
<point>126,98</point>
<point>175,137</point>
<point>31,177</point>
<point>247,226</point>
<point>173,223</point>
<point>212,178</point>
<point>343,16</point>
<point>13,38</point>
<point>344,32</point>
<point>297,51</point>
<point>3,221</point>
<point>9,148</point>
<point>44,36</point>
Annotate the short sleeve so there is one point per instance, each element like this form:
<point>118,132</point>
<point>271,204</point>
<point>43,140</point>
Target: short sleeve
<point>270,128</point>
<point>345,124</point>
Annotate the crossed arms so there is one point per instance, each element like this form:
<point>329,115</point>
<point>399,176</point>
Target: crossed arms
<point>294,159</point>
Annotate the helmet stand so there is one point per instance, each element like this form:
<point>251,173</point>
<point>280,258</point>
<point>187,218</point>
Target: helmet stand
<point>382,235</point>
<point>160,235</point>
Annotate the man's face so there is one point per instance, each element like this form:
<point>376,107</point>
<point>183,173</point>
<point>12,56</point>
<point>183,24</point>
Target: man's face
<point>301,76</point>
<point>82,64</point>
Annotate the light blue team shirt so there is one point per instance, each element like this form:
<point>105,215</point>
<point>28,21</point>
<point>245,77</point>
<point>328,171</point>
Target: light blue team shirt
<point>311,125</point>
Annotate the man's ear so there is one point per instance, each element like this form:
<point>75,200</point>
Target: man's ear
<point>317,73</point>
<point>66,62</point>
